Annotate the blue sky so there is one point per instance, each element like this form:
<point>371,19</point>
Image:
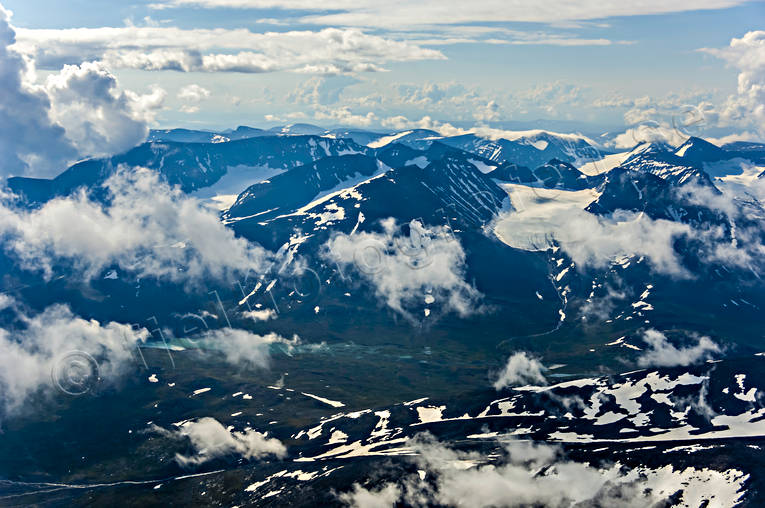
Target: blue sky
<point>488,62</point>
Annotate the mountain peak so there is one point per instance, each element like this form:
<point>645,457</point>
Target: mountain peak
<point>699,150</point>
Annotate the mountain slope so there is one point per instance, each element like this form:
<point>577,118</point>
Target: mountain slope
<point>192,166</point>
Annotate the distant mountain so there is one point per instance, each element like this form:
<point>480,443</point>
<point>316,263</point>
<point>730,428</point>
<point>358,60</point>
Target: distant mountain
<point>450,190</point>
<point>295,188</point>
<point>191,166</point>
<point>244,132</point>
<point>418,139</point>
<point>530,149</point>
<point>299,129</point>
<point>361,137</point>
<point>639,191</point>
<point>556,174</point>
<point>747,150</point>
<point>660,160</point>
<point>182,136</point>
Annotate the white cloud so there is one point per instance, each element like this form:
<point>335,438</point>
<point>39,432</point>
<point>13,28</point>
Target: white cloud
<point>147,228</point>
<point>747,107</point>
<point>406,270</point>
<point>731,138</point>
<point>321,90</point>
<point>211,440</point>
<point>375,102</point>
<point>76,112</point>
<point>744,248</point>
<point>25,123</point>
<point>360,497</point>
<point>98,117</point>
<point>596,241</point>
<point>678,115</point>
<point>193,93</point>
<point>400,14</point>
<point>662,353</point>
<point>520,369</point>
<point>488,113</point>
<point>599,308</point>
<point>56,346</point>
<point>343,116</point>
<point>243,348</point>
<point>550,96</point>
<point>590,240</point>
<point>326,51</point>
<point>260,315</point>
<point>648,132</point>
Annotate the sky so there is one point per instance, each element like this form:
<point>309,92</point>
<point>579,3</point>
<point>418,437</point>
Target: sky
<point>590,66</point>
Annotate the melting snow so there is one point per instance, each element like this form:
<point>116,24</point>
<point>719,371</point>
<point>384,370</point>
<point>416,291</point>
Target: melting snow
<point>332,403</point>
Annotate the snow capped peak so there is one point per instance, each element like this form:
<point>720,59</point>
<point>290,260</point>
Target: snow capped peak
<point>650,147</point>
<point>386,140</point>
<point>300,129</point>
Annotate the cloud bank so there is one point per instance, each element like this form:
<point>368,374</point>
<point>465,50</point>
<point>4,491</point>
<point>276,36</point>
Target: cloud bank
<point>154,48</point>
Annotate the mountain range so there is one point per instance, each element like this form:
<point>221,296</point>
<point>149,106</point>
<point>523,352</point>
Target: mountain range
<point>402,269</point>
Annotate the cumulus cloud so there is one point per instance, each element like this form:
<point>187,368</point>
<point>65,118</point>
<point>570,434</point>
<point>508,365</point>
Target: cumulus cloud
<point>25,123</point>
<point>146,228</point>
<point>647,131</point>
<point>211,440</point>
<point>596,241</point>
<point>343,116</point>
<point>243,348</point>
<point>542,220</point>
<point>56,349</point>
<point>741,204</point>
<point>359,497</point>
<point>747,55</point>
<point>662,353</point>
<point>428,95</point>
<point>99,118</point>
<point>550,96</point>
<point>490,112</point>
<point>76,112</point>
<point>192,95</point>
<point>673,118</point>
<point>406,270</point>
<point>534,474</point>
<point>326,51</point>
<point>520,369</point>
<point>321,89</point>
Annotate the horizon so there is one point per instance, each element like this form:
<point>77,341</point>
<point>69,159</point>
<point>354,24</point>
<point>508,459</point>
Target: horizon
<point>212,64</point>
